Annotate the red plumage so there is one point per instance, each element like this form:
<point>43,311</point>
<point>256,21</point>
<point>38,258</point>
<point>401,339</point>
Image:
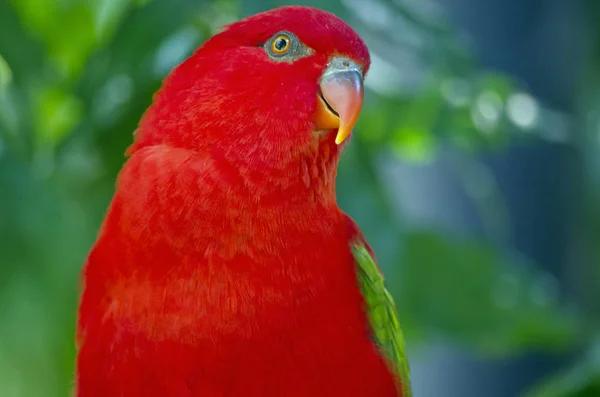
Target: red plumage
<point>223,267</point>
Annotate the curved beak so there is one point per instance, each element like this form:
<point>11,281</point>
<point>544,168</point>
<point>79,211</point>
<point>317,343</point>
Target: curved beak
<point>340,97</point>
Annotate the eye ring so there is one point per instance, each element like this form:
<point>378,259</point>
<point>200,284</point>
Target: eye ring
<point>281,44</point>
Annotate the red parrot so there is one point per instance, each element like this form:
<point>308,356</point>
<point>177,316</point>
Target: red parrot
<point>224,266</point>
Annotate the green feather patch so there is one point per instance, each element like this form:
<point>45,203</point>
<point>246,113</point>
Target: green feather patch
<point>381,311</point>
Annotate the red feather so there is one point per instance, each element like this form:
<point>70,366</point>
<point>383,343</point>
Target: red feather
<point>223,267</point>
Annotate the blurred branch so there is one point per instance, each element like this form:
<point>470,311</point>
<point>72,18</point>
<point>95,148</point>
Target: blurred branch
<point>580,380</point>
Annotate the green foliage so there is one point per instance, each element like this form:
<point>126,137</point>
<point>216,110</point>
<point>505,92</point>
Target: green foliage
<point>5,73</point>
<point>467,291</point>
<point>580,380</point>
<point>58,112</point>
<point>413,137</point>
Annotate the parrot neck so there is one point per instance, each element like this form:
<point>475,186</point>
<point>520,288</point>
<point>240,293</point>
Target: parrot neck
<point>300,178</point>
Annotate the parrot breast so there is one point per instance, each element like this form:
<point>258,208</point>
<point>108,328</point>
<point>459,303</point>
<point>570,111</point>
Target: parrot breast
<point>192,289</point>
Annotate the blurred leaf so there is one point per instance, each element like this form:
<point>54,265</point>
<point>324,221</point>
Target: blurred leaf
<point>580,380</point>
<point>57,113</point>
<point>71,30</point>
<point>66,28</point>
<point>108,14</point>
<point>373,124</point>
<point>414,144</point>
<point>498,83</point>
<point>467,291</point>
<point>43,240</point>
<point>368,204</point>
<point>413,138</point>
<point>73,40</point>
<point>5,73</point>
<point>488,107</point>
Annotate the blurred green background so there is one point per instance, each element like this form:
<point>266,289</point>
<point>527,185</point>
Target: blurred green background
<point>474,172</point>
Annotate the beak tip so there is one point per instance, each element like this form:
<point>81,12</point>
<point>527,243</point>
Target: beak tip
<point>341,136</point>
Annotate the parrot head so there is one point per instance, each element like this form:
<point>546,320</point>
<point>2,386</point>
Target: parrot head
<point>266,91</point>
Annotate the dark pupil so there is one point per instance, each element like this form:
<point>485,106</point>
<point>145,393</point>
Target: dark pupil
<point>281,44</point>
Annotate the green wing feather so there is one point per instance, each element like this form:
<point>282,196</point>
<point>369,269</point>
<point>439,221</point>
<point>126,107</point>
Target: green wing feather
<point>381,311</point>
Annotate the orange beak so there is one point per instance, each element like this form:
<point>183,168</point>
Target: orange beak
<point>340,97</point>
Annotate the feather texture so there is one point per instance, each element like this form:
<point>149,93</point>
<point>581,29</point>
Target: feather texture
<point>381,311</point>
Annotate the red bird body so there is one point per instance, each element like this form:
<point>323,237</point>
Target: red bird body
<point>223,267</point>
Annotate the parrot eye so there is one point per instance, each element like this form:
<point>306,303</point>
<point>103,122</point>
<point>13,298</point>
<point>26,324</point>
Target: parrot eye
<point>280,44</point>
<point>284,46</point>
